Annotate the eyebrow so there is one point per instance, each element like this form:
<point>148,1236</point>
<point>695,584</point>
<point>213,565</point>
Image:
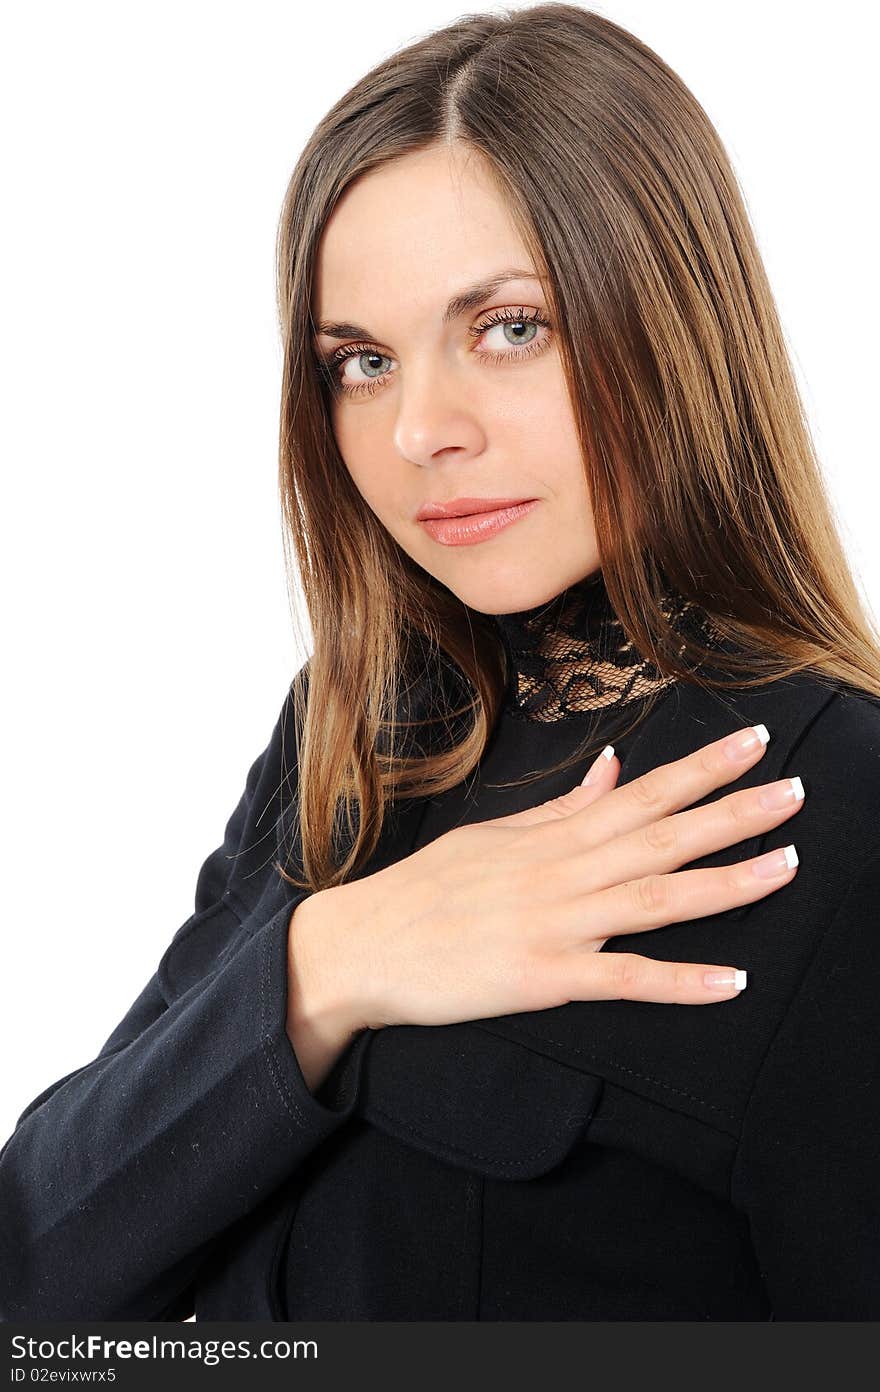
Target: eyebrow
<point>465,300</point>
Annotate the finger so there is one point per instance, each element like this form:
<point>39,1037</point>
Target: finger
<point>686,836</point>
<point>669,787</point>
<point>658,900</point>
<point>627,976</point>
<point>605,770</point>
<point>599,767</point>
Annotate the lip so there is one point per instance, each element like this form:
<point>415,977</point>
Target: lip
<point>466,507</point>
<point>470,528</point>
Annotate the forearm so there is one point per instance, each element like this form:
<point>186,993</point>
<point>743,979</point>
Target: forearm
<point>118,1178</point>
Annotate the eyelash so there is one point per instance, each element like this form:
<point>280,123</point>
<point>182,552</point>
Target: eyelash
<point>328,367</point>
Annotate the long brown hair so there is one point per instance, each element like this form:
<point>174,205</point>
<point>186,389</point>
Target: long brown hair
<point>698,457</point>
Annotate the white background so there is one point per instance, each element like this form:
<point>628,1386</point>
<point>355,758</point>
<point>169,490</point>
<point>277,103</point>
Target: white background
<point>147,637</point>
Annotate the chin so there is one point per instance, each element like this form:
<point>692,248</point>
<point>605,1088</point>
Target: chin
<point>508,599</point>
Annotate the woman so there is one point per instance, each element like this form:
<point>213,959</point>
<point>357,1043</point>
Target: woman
<point>420,1052</point>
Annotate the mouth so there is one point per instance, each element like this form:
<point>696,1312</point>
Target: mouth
<point>469,528</point>
<point>468,507</point>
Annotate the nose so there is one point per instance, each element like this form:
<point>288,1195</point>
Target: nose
<point>435,419</point>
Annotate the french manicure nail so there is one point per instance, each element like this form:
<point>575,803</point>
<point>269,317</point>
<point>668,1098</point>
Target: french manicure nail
<point>783,794</point>
<point>725,980</point>
<point>775,863</point>
<point>745,742</point>
<point>595,767</point>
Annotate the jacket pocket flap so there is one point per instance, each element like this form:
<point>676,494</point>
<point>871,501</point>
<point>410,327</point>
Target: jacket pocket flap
<point>476,1100</point>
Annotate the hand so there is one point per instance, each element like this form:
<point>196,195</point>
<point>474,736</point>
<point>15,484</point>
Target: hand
<point>508,915</point>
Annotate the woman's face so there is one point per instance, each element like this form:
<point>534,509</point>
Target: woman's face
<point>431,408</point>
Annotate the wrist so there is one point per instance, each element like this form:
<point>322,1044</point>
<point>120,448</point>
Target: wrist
<point>319,996</point>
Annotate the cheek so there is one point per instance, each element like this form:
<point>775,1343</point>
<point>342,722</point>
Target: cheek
<point>548,416</point>
<point>368,469</point>
<point>359,452</point>
<point>534,402</point>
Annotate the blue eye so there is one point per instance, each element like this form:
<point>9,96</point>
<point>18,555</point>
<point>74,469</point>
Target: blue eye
<point>511,318</point>
<point>368,359</point>
<point>517,326</point>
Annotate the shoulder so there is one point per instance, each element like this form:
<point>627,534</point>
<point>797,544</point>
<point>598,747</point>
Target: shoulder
<point>831,739</point>
<point>842,745</point>
<point>821,731</point>
<point>855,711</point>
<point>833,724</point>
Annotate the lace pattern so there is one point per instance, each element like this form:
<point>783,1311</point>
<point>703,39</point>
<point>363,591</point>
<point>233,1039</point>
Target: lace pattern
<point>571,655</point>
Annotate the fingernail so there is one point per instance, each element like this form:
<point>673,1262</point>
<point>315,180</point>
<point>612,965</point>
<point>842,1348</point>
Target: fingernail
<point>725,980</point>
<point>775,863</point>
<point>595,767</point>
<point>782,794</point>
<point>745,742</point>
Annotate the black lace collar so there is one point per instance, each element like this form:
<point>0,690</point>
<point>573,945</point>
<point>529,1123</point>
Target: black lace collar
<point>571,655</point>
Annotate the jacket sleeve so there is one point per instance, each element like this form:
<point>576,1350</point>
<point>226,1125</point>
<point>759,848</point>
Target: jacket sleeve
<point>120,1177</point>
<point>807,1171</point>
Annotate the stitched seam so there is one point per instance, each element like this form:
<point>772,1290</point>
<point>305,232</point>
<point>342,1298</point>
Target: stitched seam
<point>599,1120</point>
<point>620,1068</point>
<point>284,1093</point>
<point>204,917</point>
<point>164,970</point>
<point>470,1154</point>
<point>238,906</point>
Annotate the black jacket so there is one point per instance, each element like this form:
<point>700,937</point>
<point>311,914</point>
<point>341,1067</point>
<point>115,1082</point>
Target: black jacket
<point>600,1160</point>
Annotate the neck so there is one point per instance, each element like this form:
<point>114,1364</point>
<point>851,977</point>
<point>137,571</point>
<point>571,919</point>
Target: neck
<point>570,654</point>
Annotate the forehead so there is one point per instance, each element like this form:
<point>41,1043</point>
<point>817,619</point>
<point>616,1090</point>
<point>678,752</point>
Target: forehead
<point>418,229</point>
